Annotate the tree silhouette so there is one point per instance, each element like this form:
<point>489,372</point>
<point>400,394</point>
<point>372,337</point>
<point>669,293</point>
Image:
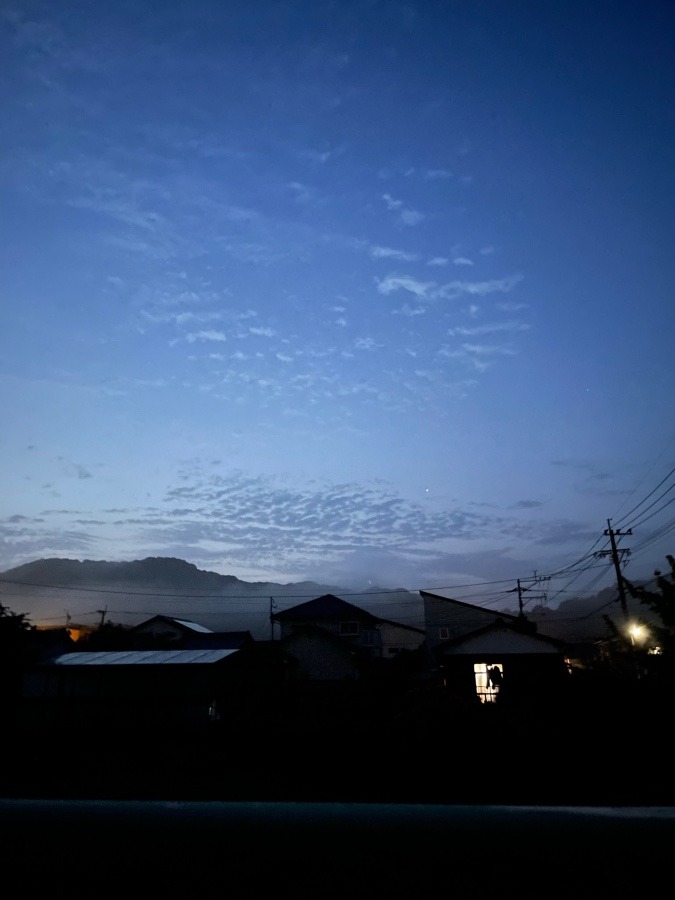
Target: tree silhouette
<point>108,636</point>
<point>14,635</point>
<point>661,602</point>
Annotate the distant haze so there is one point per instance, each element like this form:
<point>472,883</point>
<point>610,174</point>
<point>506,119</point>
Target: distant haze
<point>55,591</point>
<point>52,590</point>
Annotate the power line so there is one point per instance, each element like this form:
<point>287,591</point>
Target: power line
<point>656,511</point>
<point>649,470</point>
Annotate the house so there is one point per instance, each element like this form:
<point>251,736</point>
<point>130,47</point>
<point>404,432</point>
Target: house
<point>171,672</point>
<point>333,640</point>
<point>168,632</point>
<point>486,656</point>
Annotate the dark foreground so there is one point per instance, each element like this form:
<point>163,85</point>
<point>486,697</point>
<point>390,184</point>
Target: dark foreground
<point>570,800</point>
<point>63,849</point>
<point>604,751</point>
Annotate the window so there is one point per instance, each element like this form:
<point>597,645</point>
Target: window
<point>489,678</point>
<point>443,634</point>
<point>349,628</point>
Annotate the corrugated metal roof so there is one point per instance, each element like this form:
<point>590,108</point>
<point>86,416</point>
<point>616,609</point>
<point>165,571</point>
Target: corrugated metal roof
<point>142,657</point>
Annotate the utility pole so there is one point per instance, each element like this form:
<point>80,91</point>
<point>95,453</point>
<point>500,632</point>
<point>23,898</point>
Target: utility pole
<point>520,590</point>
<point>617,558</point>
<point>102,613</point>
<point>539,579</point>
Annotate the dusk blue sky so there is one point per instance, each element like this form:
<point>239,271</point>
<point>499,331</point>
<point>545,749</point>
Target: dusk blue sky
<point>356,292</point>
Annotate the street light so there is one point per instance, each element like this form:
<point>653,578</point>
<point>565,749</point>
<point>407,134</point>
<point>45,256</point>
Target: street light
<point>637,633</point>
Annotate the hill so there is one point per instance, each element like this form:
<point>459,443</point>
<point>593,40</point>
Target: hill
<point>54,591</point>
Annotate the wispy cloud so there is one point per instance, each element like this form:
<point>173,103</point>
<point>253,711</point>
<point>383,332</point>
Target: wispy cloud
<point>393,283</point>
<point>366,344</point>
<point>411,217</point>
<point>477,356</point>
<point>206,336</point>
<point>389,253</point>
<point>449,291</point>
<point>391,202</point>
<point>405,215</point>
<point>492,328</point>
<point>410,311</point>
<point>454,289</point>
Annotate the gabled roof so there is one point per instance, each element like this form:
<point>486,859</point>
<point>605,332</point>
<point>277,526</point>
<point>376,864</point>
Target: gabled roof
<point>401,625</point>
<point>183,624</point>
<point>142,657</point>
<point>454,645</point>
<point>498,614</point>
<point>326,607</point>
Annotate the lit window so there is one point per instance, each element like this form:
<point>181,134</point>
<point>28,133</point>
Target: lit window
<point>489,678</point>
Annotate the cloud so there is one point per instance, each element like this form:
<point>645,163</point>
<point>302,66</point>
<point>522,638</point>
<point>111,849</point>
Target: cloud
<point>438,261</point>
<point>463,331</point>
<point>366,344</point>
<point>184,317</point>
<point>262,332</point>
<point>218,336</point>
<point>406,216</point>
<point>410,311</point>
<point>411,217</point>
<point>388,253</point>
<point>393,283</point>
<point>429,290</point>
<point>391,203</point>
<point>454,289</point>
<point>487,349</point>
<point>462,261</point>
<point>477,356</point>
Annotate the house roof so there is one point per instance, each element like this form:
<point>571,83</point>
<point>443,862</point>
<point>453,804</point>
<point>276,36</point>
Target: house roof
<point>217,640</point>
<point>142,657</point>
<point>326,607</point>
<point>192,626</point>
<point>183,624</point>
<point>528,637</point>
<point>498,614</point>
<point>401,625</point>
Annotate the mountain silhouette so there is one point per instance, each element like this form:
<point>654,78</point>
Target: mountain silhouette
<point>57,591</point>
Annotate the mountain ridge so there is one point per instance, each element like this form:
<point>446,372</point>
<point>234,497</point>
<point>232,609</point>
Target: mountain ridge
<point>65,589</point>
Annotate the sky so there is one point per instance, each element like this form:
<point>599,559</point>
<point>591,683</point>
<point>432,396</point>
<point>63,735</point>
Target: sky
<point>365,293</point>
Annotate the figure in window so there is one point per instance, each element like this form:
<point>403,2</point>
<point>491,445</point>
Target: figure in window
<point>494,676</point>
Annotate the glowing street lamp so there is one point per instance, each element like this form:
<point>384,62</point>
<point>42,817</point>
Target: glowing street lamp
<point>637,633</point>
